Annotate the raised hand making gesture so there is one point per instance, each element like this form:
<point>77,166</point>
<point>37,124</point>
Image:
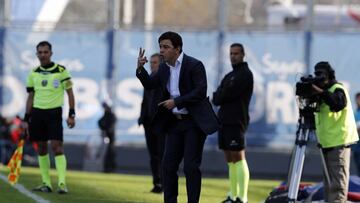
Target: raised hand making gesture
<point>141,58</point>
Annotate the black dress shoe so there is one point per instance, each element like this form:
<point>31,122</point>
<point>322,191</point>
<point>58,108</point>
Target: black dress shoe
<point>157,189</point>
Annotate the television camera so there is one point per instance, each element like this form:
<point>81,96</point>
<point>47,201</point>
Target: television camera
<point>304,87</point>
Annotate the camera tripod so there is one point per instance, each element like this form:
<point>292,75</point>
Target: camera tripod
<point>306,128</point>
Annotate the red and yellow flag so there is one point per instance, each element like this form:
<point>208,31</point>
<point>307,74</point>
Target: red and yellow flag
<point>15,163</point>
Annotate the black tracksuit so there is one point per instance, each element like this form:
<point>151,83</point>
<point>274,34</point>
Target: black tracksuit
<point>233,96</point>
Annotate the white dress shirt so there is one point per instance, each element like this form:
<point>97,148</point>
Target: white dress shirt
<point>173,83</point>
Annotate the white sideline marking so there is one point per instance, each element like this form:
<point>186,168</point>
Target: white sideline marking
<point>25,191</point>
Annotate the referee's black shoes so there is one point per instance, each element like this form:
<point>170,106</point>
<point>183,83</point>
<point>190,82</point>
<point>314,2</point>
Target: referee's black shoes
<point>62,189</point>
<point>229,200</point>
<point>238,200</point>
<point>43,188</point>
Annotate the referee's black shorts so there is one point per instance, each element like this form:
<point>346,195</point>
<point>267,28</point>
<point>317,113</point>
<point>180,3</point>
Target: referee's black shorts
<point>46,124</point>
<point>231,138</point>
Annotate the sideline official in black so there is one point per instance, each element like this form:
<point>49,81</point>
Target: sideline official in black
<point>233,96</point>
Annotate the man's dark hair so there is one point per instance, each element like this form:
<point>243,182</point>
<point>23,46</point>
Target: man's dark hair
<point>357,95</point>
<point>174,37</point>
<point>44,43</point>
<point>324,65</point>
<point>238,45</point>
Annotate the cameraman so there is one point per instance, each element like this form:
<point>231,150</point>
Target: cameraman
<point>336,131</point>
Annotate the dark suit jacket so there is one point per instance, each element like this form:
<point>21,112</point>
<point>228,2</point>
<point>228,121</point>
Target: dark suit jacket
<point>192,87</point>
<point>149,105</point>
<point>107,124</point>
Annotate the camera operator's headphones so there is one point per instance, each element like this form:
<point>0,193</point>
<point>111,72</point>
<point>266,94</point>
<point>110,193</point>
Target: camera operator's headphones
<point>324,65</point>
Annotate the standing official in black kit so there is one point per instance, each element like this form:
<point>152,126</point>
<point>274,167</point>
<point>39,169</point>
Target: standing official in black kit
<point>184,114</point>
<point>107,124</point>
<point>154,141</point>
<point>233,96</point>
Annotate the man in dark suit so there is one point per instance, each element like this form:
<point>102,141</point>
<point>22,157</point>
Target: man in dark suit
<point>154,141</point>
<point>184,114</point>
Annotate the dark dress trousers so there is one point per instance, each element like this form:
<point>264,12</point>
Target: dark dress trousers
<point>184,137</point>
<point>107,125</point>
<point>154,141</point>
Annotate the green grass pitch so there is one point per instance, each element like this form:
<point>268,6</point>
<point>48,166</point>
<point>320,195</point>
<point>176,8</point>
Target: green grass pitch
<point>110,188</point>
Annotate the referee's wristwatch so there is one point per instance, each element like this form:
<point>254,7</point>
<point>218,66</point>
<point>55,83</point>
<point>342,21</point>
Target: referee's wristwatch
<point>71,113</point>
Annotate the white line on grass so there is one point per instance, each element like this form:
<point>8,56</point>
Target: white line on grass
<point>25,191</point>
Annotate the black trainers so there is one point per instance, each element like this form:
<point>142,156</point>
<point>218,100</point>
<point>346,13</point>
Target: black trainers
<point>228,200</point>
<point>238,200</point>
<point>157,189</point>
<point>62,189</point>
<point>43,188</point>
